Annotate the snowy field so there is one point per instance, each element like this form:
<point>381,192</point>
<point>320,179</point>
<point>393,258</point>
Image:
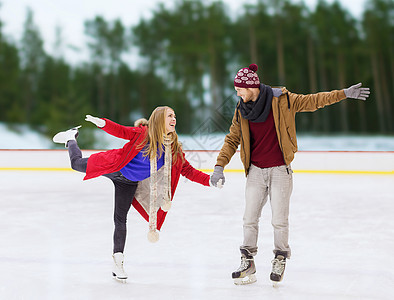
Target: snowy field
<point>56,239</point>
<point>21,137</point>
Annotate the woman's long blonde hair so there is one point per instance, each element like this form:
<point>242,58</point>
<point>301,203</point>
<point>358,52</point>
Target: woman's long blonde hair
<point>154,140</point>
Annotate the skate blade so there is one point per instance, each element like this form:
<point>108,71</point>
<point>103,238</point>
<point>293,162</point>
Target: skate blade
<point>275,283</point>
<point>245,280</point>
<point>119,279</point>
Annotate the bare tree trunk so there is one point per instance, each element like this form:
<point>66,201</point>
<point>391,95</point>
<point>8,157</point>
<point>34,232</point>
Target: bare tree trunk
<point>310,120</point>
<point>123,108</point>
<point>312,66</point>
<point>253,43</point>
<point>362,116</point>
<point>280,53</point>
<point>321,120</point>
<point>113,101</point>
<point>29,98</point>
<point>378,91</point>
<point>101,91</point>
<point>143,99</point>
<point>342,82</point>
<point>391,51</point>
<point>214,86</point>
<point>385,93</point>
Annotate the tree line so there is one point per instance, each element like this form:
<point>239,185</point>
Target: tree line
<point>188,56</point>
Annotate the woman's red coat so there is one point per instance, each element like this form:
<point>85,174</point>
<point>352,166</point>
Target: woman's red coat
<point>113,160</point>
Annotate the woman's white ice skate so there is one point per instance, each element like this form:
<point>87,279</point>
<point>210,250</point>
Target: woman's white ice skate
<point>118,272</point>
<point>65,136</point>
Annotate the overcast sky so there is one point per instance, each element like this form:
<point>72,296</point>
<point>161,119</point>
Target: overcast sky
<point>71,14</point>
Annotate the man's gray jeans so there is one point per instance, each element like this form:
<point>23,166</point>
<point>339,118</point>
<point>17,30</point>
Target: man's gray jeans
<point>277,183</point>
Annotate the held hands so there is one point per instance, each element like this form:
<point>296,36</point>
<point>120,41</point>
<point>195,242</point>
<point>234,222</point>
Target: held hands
<point>217,178</point>
<point>357,92</point>
<point>96,121</point>
<point>219,185</point>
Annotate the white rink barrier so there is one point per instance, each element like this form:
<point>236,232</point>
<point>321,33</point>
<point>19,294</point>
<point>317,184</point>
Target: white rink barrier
<point>376,162</point>
<point>347,162</point>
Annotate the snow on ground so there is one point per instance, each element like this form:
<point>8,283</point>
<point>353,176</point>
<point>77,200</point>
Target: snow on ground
<point>56,233</point>
<point>22,137</point>
<point>25,138</point>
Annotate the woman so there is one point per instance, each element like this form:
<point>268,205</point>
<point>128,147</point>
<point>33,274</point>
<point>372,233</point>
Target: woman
<point>145,172</point>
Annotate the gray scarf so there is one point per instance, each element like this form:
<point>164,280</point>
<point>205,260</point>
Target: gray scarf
<point>257,111</point>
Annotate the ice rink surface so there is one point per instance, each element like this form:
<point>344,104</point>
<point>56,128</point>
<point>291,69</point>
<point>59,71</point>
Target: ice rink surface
<point>56,240</point>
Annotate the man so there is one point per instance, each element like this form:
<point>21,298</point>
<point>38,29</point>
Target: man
<point>264,125</point>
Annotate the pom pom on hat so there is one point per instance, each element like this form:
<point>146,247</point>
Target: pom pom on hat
<point>253,67</point>
<point>247,78</point>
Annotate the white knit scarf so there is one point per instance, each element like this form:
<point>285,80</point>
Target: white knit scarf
<point>153,235</point>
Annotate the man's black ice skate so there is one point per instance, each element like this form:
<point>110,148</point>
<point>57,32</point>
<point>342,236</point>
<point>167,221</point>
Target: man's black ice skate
<point>246,271</point>
<point>278,267</point>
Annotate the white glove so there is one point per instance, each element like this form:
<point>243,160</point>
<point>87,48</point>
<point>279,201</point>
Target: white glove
<point>96,121</point>
<point>357,92</point>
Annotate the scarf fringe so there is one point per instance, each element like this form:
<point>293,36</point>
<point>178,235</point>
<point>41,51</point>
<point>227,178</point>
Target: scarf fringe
<point>153,235</point>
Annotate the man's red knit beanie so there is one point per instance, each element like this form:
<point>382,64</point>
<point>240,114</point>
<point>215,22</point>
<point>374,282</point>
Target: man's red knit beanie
<point>247,77</point>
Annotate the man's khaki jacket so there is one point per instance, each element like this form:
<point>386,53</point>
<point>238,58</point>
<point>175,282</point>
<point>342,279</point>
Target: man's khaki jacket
<point>284,109</point>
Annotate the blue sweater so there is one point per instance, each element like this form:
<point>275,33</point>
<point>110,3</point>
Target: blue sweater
<point>138,168</point>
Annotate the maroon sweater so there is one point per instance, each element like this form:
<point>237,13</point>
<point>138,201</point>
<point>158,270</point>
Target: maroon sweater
<point>264,144</point>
